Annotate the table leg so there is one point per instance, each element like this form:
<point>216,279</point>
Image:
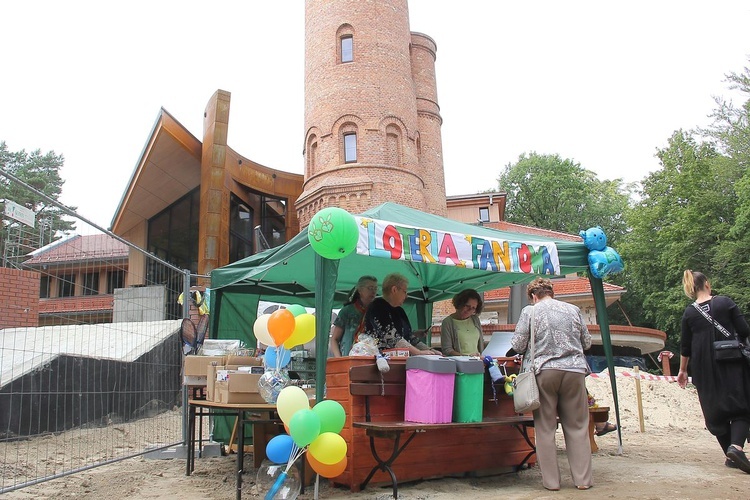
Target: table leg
<point>385,465</point>
<point>190,444</point>
<point>200,434</point>
<point>592,428</point>
<point>523,429</point>
<point>240,451</point>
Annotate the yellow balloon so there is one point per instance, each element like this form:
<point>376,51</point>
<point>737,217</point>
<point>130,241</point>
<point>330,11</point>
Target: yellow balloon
<point>328,448</point>
<point>291,399</point>
<point>304,331</point>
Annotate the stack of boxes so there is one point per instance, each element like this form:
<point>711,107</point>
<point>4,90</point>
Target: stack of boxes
<point>227,379</point>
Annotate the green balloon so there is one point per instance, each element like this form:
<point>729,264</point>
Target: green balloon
<point>332,416</point>
<point>304,427</point>
<point>296,309</point>
<point>333,233</point>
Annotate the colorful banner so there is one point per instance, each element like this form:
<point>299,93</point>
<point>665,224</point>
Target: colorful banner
<point>389,240</point>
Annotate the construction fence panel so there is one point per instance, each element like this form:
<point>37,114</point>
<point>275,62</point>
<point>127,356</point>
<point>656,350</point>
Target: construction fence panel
<point>90,351</point>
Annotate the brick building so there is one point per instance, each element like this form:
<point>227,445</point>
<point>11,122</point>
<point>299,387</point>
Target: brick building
<point>372,119</point>
<point>75,279</point>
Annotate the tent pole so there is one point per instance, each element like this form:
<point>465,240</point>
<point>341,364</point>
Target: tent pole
<point>326,275</point>
<point>597,289</point>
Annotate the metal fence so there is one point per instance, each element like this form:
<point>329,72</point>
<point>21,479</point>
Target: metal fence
<point>90,354</point>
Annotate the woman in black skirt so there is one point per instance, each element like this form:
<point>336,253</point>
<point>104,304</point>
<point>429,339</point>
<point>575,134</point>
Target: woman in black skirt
<point>723,386</point>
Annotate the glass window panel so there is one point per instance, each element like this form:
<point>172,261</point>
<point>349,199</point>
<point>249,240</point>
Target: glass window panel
<point>66,285</point>
<point>115,279</point>
<point>484,214</point>
<point>347,49</point>
<point>350,148</point>
<point>91,284</point>
<point>44,287</point>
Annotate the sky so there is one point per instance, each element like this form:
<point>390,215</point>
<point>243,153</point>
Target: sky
<point>604,83</point>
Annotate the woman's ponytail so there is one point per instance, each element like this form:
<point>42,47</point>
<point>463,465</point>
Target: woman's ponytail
<point>688,283</point>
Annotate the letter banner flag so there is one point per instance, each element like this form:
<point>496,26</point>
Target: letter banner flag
<point>378,238</point>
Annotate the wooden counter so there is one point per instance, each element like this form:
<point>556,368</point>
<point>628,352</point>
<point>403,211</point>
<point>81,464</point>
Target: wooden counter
<point>481,450</point>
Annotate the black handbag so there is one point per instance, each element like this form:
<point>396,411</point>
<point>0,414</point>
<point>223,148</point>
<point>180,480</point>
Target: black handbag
<point>729,349</point>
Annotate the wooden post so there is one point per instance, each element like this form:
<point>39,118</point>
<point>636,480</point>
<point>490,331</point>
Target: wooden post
<point>638,397</point>
<point>664,357</point>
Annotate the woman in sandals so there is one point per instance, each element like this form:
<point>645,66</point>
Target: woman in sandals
<point>723,385</point>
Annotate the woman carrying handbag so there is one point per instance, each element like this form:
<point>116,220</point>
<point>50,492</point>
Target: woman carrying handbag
<point>560,337</point>
<point>721,376</point>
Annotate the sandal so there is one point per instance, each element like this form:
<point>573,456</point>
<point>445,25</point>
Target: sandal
<point>608,427</point>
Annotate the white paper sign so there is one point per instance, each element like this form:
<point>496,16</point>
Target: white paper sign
<point>20,213</point>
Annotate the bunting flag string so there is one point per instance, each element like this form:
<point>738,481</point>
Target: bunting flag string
<point>641,375</point>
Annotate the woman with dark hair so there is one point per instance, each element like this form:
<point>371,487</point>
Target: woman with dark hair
<point>350,321</point>
<point>560,337</point>
<point>461,332</point>
<point>723,386</point>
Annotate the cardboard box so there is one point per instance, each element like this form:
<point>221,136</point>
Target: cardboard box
<point>194,369</point>
<point>196,365</point>
<point>238,388</point>
<point>211,381</point>
<point>244,361</point>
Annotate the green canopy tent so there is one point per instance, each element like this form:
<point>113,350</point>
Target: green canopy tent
<point>295,274</point>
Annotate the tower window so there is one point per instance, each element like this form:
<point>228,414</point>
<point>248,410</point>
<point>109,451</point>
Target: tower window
<point>347,49</point>
<point>350,148</point>
<point>484,214</point>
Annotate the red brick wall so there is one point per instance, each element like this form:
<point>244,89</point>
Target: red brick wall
<point>20,298</point>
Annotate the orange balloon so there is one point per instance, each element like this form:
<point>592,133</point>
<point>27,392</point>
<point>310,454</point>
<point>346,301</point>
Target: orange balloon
<point>281,325</point>
<point>327,470</point>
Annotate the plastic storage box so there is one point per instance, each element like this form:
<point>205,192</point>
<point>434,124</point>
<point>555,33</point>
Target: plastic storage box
<point>429,389</point>
<point>468,393</point>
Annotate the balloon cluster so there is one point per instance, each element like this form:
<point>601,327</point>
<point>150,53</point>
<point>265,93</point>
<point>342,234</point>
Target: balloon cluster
<point>603,260</point>
<point>281,331</point>
<point>313,430</point>
<point>333,233</point>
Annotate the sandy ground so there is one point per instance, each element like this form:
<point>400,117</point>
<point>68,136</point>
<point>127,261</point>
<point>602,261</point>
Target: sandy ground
<point>674,457</point>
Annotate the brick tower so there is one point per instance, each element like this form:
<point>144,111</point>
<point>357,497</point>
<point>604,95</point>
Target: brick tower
<point>372,120</point>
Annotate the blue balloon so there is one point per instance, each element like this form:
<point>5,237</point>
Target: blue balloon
<point>272,355</point>
<point>279,448</point>
<point>594,238</point>
<point>605,262</point>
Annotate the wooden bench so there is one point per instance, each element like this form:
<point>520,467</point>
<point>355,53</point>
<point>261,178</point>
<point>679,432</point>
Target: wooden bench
<point>367,381</point>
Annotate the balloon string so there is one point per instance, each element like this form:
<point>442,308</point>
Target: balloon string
<point>296,453</point>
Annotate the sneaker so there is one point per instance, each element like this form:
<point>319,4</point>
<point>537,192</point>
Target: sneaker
<point>739,458</point>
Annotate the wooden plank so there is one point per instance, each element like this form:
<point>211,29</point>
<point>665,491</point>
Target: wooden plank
<point>370,373</point>
<point>370,389</point>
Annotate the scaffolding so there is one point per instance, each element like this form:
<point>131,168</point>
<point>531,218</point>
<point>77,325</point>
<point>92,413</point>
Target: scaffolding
<point>20,240</point>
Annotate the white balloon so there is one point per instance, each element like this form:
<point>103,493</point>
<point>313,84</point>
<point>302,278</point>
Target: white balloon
<point>260,329</point>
